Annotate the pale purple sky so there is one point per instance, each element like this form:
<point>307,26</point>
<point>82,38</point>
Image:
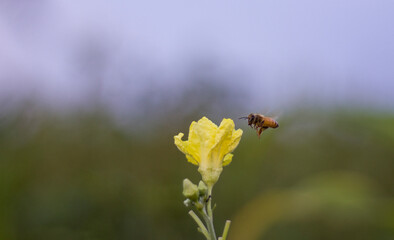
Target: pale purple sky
<point>321,51</point>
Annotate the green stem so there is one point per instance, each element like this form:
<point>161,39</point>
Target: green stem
<point>210,203</point>
<point>209,221</point>
<point>225,230</point>
<point>201,226</point>
<point>209,224</point>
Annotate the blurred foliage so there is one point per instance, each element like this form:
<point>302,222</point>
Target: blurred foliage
<point>321,175</point>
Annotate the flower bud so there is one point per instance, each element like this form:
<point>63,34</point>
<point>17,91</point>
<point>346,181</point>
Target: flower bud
<point>187,203</point>
<point>190,190</point>
<point>199,206</point>
<point>202,188</point>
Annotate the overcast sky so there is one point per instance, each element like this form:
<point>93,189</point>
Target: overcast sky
<point>339,51</point>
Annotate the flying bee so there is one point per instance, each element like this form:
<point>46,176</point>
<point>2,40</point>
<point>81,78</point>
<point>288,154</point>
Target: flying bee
<point>260,122</point>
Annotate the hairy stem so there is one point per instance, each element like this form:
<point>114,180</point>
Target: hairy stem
<point>210,214</point>
<point>201,225</point>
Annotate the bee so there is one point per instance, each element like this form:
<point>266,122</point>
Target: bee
<point>260,122</point>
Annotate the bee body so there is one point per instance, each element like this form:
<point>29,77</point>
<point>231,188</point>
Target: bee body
<point>260,122</point>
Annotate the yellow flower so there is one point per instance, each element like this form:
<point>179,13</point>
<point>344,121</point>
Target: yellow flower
<point>210,146</point>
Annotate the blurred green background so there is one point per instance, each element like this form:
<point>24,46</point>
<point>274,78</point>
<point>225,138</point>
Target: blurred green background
<point>323,174</point>
<point>93,92</point>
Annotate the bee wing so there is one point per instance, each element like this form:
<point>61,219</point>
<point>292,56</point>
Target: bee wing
<point>276,115</point>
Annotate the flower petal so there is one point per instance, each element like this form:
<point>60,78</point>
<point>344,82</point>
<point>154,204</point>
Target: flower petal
<point>227,159</point>
<point>236,137</point>
<point>194,143</point>
<point>227,139</point>
<point>205,132</point>
<point>202,138</point>
<point>184,147</point>
<point>191,160</point>
<point>181,145</point>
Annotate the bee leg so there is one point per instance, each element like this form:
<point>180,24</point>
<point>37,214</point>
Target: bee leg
<point>256,126</point>
<point>261,130</point>
<point>209,197</point>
